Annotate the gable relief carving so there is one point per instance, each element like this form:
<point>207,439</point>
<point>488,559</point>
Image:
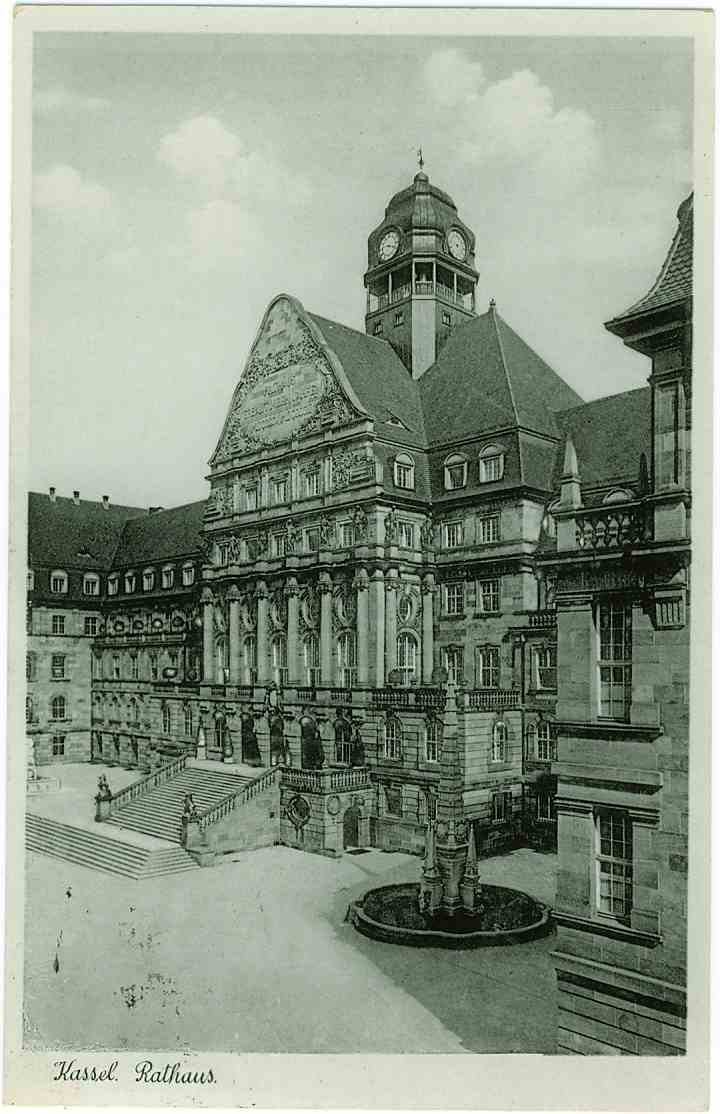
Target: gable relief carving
<point>288,388</point>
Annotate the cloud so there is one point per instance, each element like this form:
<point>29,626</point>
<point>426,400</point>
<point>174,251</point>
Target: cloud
<point>64,190</point>
<point>452,79</point>
<point>514,122</point>
<point>203,151</point>
<point>46,102</point>
<point>219,232</point>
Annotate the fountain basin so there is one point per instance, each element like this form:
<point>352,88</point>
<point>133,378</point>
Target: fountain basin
<point>501,916</point>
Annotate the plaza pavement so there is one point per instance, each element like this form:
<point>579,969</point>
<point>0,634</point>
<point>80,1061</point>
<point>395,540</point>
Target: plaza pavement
<point>255,955</point>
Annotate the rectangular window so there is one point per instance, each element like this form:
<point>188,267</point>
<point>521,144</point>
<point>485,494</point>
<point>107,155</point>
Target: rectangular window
<point>614,864</point>
<point>487,668</point>
<point>491,468</point>
<point>615,664</point>
<point>456,475</point>
<point>58,584</point>
<point>58,624</point>
<point>134,667</point>
<point>488,595</point>
<point>377,328</point>
<point>454,599</point>
<point>545,743</point>
<point>404,475</point>
<point>30,663</point>
<point>91,586</point>
<point>168,578</point>
<point>501,807</point>
<point>544,810</point>
<point>546,667</point>
<point>406,535</point>
<point>279,545</point>
<point>312,540</point>
<point>250,498</point>
<point>91,625</point>
<point>112,585</point>
<point>453,535</point>
<point>279,490</point>
<point>153,667</point>
<point>453,660</point>
<point>58,746</point>
<point>347,535</point>
<point>188,575</point>
<point>57,667</point>
<point>148,580</point>
<point>667,436</point>
<point>312,483</point>
<point>399,318</point>
<point>446,318</point>
<point>489,529</point>
<point>130,582</point>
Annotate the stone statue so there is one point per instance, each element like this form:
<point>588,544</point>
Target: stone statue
<point>360,523</point>
<point>104,792</point>
<point>427,533</point>
<point>233,550</point>
<point>325,532</point>
<point>248,741</point>
<point>391,527</point>
<point>311,748</point>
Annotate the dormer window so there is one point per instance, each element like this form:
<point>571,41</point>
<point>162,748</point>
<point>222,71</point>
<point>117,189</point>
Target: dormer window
<point>91,584</point>
<point>130,581</point>
<point>492,464</point>
<point>456,470</point>
<point>113,584</point>
<point>168,576</point>
<point>188,575</point>
<point>58,582</point>
<point>404,472</point>
<point>148,580</point>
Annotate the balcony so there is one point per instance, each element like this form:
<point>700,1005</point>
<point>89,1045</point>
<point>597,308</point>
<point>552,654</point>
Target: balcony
<point>408,698</point>
<point>542,619</point>
<point>328,780</point>
<point>491,700</point>
<point>613,529</point>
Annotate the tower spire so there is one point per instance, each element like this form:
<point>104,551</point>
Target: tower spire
<point>421,160</point>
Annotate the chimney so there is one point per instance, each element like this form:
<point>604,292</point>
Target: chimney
<point>52,494</point>
<point>154,510</point>
<point>106,502</point>
<point>76,497</point>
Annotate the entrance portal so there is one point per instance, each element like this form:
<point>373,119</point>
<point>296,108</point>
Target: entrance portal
<point>351,835</point>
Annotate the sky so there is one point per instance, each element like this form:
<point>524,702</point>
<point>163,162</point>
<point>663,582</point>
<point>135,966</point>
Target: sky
<point>181,181</point>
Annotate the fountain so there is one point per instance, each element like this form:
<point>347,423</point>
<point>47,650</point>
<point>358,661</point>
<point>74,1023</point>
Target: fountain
<point>449,907</point>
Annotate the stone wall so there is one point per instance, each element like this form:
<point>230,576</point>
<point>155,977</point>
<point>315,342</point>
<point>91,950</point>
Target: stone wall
<point>74,646</point>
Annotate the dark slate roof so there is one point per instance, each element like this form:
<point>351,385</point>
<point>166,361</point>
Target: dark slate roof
<point>609,435</point>
<point>674,283</point>
<point>162,534</point>
<point>487,378</point>
<point>60,531</point>
<point>380,380</point>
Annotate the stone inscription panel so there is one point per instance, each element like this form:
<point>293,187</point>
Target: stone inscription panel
<point>273,408</point>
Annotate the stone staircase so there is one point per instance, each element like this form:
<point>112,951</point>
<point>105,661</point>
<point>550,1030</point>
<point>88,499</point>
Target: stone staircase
<point>158,811</point>
<point>99,851</point>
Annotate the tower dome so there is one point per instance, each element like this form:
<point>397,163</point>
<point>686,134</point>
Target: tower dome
<point>421,275</point>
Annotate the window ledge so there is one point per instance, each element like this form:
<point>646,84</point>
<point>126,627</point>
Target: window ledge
<point>611,727</point>
<point>611,928</point>
<point>453,616</point>
<point>487,614</point>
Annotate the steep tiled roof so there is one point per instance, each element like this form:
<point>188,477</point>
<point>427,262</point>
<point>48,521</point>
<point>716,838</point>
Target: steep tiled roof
<point>674,283</point>
<point>487,378</point>
<point>380,380</point>
<point>72,535</point>
<point>162,534</point>
<point>609,435</point>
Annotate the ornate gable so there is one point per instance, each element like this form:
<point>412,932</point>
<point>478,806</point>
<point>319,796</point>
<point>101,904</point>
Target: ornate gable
<point>293,384</point>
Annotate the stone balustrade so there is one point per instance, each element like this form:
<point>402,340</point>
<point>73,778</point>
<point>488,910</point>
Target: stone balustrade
<point>613,528</point>
<point>329,779</point>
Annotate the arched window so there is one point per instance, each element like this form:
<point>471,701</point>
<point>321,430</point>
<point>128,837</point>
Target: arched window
<point>404,472</point>
<point>166,719</point>
<point>492,464</point>
<point>407,657</point>
<point>392,739</point>
<point>499,741</point>
<point>311,658</point>
<point>220,660</point>
<point>91,584</point>
<point>346,659</point>
<point>343,737</point>
<point>455,472</point>
<point>57,707</point>
<point>188,719</point>
<point>278,656</point>
<point>433,739</point>
<point>250,660</point>
<point>58,582</point>
<point>29,710</point>
<point>133,713</point>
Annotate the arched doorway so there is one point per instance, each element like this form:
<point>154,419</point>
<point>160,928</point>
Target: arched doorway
<point>351,827</point>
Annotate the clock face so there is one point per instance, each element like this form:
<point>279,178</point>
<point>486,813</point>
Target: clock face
<point>456,244</point>
<point>389,244</point>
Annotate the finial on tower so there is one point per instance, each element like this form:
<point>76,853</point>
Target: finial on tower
<point>421,160</point>
<point>492,304</point>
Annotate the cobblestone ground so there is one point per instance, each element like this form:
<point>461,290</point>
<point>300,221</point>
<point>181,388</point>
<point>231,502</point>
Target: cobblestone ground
<point>255,956</point>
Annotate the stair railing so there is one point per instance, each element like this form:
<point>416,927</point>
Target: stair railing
<point>237,798</point>
<point>147,784</point>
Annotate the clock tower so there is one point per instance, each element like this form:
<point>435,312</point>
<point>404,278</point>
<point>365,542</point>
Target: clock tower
<point>421,275</point>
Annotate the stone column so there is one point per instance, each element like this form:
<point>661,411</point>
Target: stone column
<point>391,585</point>
<point>208,630</point>
<point>362,610</point>
<point>234,662</point>
<point>325,587</point>
<point>377,619</point>
<point>261,642</point>
<point>292,592</point>
<point>452,828</point>
<point>428,591</point>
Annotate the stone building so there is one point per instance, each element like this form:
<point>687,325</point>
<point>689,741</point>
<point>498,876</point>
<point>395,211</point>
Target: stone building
<point>386,510</point>
<point>621,562</point>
